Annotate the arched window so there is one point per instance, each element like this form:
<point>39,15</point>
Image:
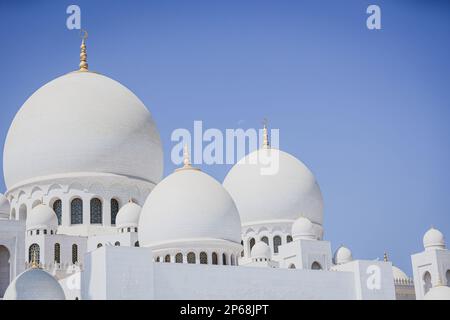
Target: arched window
<point>114,210</point>
<point>191,257</point>
<point>224,259</point>
<point>129,229</point>
<point>74,253</point>
<point>265,240</point>
<point>57,207</point>
<point>242,252</point>
<point>232,260</point>
<point>426,282</point>
<point>23,212</point>
<point>276,243</point>
<point>99,245</point>
<point>214,258</point>
<point>136,244</point>
<point>203,258</point>
<point>316,266</point>
<point>96,211</point>
<point>157,259</point>
<point>34,253</point>
<point>117,244</point>
<point>252,243</point>
<point>289,239</point>
<point>57,253</point>
<point>167,258</point>
<point>292,266</point>
<point>76,211</point>
<point>179,258</point>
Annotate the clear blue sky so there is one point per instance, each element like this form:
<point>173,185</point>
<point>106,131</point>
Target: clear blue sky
<point>367,111</point>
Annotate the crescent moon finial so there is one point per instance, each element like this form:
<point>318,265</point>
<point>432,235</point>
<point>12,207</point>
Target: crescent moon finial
<point>84,34</point>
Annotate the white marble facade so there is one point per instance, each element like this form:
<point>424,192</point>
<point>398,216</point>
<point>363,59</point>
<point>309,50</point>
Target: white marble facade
<point>87,214</point>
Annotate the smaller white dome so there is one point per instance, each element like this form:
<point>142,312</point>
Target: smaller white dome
<point>399,274</point>
<point>342,255</point>
<point>433,239</point>
<point>439,292</point>
<point>4,207</point>
<point>303,228</point>
<point>128,215</point>
<point>42,217</point>
<point>261,251</point>
<point>34,284</point>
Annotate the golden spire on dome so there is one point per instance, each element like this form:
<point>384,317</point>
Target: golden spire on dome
<point>83,54</point>
<point>186,160</point>
<point>186,157</point>
<point>385,257</point>
<point>266,144</point>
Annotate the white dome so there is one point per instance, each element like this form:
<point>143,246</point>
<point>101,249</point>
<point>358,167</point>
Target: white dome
<point>82,122</point>
<point>302,228</point>
<point>34,284</point>
<point>342,255</point>
<point>439,292</point>
<point>262,194</point>
<point>433,239</point>
<point>128,215</point>
<point>42,217</point>
<point>399,274</point>
<point>186,205</point>
<point>261,251</point>
<point>4,206</point>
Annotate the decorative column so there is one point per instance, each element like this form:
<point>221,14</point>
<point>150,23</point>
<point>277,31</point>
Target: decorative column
<point>106,214</point>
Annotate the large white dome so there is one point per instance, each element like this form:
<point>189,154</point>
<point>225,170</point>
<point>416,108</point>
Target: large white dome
<point>34,284</point>
<point>289,193</point>
<point>188,205</point>
<point>82,122</point>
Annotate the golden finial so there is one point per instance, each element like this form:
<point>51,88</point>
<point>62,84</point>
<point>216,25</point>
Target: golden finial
<point>266,143</point>
<point>385,258</point>
<point>34,260</point>
<point>83,54</point>
<point>186,159</point>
